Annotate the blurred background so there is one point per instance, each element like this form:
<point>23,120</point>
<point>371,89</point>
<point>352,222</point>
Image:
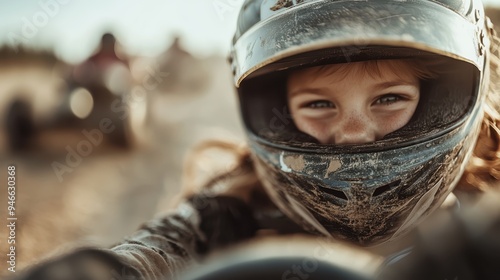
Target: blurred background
<point>99,103</point>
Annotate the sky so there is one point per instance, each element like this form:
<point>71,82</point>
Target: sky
<point>73,27</point>
<point>492,2</point>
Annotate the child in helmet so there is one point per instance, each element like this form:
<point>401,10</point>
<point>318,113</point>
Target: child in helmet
<point>355,103</point>
<point>362,117</point>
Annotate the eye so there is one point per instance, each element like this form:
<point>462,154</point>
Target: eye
<point>389,99</point>
<point>319,104</point>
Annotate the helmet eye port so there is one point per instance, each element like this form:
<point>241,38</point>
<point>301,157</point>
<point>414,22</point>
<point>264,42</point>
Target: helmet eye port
<point>386,188</point>
<point>335,193</point>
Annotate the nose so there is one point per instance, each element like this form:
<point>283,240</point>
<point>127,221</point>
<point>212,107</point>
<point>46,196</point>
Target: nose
<point>353,129</point>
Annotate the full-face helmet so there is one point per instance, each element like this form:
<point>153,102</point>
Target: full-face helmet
<point>372,192</point>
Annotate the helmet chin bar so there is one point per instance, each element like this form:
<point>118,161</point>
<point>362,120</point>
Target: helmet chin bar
<point>366,198</point>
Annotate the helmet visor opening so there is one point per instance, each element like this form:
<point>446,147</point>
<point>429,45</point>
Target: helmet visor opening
<point>446,99</point>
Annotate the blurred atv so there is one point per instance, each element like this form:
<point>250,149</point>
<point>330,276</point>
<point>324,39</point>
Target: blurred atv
<point>33,121</point>
<point>94,106</point>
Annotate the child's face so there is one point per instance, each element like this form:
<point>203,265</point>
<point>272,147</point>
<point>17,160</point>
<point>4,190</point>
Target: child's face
<point>353,103</point>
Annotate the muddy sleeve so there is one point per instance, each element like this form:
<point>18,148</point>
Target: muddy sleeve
<point>162,247</point>
<point>166,245</point>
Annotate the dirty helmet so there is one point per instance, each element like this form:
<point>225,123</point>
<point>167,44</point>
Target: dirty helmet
<point>373,192</point>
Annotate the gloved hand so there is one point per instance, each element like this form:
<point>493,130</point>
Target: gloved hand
<point>224,220</point>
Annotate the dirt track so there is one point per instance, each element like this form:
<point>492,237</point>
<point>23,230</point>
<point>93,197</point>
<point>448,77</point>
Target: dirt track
<point>114,190</point>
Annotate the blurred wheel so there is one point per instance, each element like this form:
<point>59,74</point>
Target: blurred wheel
<point>19,124</point>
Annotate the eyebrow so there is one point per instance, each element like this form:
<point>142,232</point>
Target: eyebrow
<point>382,85</point>
<point>393,83</point>
<point>318,91</point>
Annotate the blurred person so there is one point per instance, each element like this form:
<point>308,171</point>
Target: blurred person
<point>397,107</point>
<point>106,76</point>
<point>104,60</point>
<point>185,72</point>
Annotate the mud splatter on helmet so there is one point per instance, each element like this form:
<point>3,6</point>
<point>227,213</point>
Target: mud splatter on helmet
<point>372,192</point>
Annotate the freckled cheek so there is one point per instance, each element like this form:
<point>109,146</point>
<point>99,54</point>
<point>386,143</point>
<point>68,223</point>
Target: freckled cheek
<point>393,122</point>
<point>313,127</point>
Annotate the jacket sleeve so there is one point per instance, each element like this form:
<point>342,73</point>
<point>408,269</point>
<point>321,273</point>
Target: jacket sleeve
<point>162,247</point>
<point>166,245</point>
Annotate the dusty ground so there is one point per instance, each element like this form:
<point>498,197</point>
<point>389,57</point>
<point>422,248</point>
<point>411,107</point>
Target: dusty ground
<point>114,190</point>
